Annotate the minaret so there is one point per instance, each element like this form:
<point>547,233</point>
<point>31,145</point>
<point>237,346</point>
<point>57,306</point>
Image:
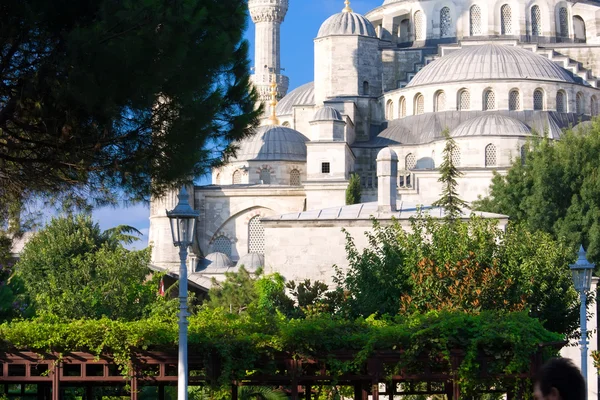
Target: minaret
<point>267,16</point>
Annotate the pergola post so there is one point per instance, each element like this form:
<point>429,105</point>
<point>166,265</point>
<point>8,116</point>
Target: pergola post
<point>234,391</point>
<point>55,372</point>
<point>307,392</point>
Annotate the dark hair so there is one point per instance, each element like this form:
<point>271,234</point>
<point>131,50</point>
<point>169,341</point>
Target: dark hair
<point>562,374</point>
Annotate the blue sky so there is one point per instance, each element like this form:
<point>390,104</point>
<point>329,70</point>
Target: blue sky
<point>300,27</point>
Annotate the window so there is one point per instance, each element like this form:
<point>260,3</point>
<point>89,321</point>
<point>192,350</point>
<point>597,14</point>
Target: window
<point>419,104</point>
<point>594,106</point>
<point>256,236</point>
<point>265,176</point>
<point>295,177</point>
<point>236,179</point>
<point>523,154</point>
<point>445,22</point>
<point>455,157</point>
<point>579,106</point>
<point>286,124</point>
<point>506,20</point>
<point>475,20</point>
<point>514,100</point>
<point>563,17</point>
<point>410,161</point>
<point>325,168</point>
<point>218,179</point>
<point>419,26</point>
<point>402,107</point>
<point>222,245</point>
<point>538,100</point>
<point>490,155</point>
<point>464,100</point>
<point>579,29</point>
<point>536,21</point>
<point>404,30</point>
<point>389,110</point>
<point>440,101</point>
<point>489,100</point>
<point>561,103</point>
<point>365,88</point>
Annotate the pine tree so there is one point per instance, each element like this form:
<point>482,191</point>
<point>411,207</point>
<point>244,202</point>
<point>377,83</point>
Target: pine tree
<point>449,200</point>
<point>353,190</point>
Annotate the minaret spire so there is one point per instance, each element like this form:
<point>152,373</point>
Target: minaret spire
<point>347,8</point>
<point>273,120</point>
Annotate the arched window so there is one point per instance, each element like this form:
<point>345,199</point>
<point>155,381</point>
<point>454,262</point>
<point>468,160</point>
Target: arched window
<point>475,20</point>
<point>490,155</point>
<point>236,178</point>
<point>506,20</point>
<point>286,124</point>
<point>218,179</point>
<point>365,88</point>
<point>514,100</point>
<point>419,104</point>
<point>536,21</point>
<point>445,22</point>
<point>594,106</point>
<point>265,176</point>
<point>222,245</point>
<point>563,19</point>
<point>389,110</point>
<point>402,107</point>
<point>295,177</point>
<point>489,100</point>
<point>410,162</point>
<point>440,101</point>
<point>523,154</point>
<point>579,106</point>
<point>455,156</point>
<point>579,29</point>
<point>419,26</point>
<point>464,100</point>
<point>561,102</point>
<point>538,100</point>
<point>256,236</point>
<point>404,30</point>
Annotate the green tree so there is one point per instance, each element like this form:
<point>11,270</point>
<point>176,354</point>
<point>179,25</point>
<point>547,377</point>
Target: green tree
<point>99,96</point>
<point>71,270</point>
<point>556,189</point>
<point>353,190</point>
<point>13,301</point>
<point>449,199</point>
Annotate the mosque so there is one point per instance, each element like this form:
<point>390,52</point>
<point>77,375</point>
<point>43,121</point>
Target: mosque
<point>387,85</point>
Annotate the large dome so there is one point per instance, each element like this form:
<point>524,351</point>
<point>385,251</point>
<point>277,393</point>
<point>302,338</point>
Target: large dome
<point>273,143</point>
<point>491,125</point>
<point>301,96</point>
<point>490,62</point>
<point>347,23</point>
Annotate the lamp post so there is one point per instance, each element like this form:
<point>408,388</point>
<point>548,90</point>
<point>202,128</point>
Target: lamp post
<point>582,279</point>
<point>183,225</point>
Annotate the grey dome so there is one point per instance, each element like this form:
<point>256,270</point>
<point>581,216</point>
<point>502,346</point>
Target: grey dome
<point>327,114</point>
<point>491,125</point>
<point>490,62</point>
<point>215,262</point>
<point>252,261</point>
<point>347,23</point>
<point>301,96</point>
<point>273,143</point>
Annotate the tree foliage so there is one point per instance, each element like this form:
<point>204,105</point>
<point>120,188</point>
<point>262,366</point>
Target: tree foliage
<point>556,189</point>
<point>13,300</point>
<point>470,267</point>
<point>73,270</point>
<point>449,173</point>
<point>100,95</point>
<point>353,193</point>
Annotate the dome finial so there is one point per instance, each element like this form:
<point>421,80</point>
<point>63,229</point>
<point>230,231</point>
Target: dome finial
<point>273,120</point>
<point>347,8</point>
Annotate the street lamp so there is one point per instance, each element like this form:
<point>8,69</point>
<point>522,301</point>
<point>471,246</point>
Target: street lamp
<point>582,278</point>
<point>183,225</point>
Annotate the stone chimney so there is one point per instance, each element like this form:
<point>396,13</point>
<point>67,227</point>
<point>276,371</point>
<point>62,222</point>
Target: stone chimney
<point>387,177</point>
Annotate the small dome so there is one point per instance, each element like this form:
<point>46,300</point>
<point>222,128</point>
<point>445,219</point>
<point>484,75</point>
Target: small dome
<point>327,114</point>
<point>387,154</point>
<point>252,261</point>
<point>347,23</point>
<point>301,96</point>
<point>490,62</point>
<point>215,261</point>
<point>273,143</point>
<point>491,125</point>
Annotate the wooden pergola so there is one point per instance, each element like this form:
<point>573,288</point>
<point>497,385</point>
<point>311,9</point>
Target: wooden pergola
<point>29,375</point>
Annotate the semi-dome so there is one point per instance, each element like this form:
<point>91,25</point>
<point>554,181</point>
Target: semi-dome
<point>491,125</point>
<point>215,262</point>
<point>490,62</point>
<point>252,261</point>
<point>347,23</point>
<point>301,96</point>
<point>327,114</point>
<point>273,143</point>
